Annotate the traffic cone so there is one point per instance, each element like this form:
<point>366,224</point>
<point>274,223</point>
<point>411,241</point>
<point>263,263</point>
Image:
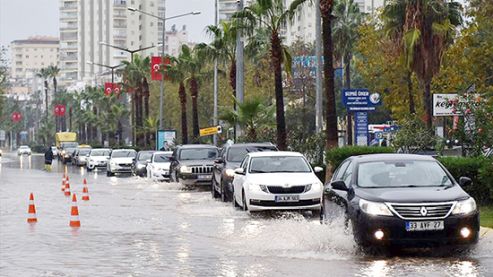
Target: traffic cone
<point>31,211</point>
<point>67,188</point>
<point>74,213</point>
<point>63,182</point>
<point>85,191</point>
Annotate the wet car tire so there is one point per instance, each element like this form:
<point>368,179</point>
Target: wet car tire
<point>244,206</point>
<point>213,189</point>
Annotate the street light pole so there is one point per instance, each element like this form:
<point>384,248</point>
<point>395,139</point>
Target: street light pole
<point>112,68</point>
<point>239,68</point>
<point>318,78</point>
<point>163,19</point>
<point>215,78</point>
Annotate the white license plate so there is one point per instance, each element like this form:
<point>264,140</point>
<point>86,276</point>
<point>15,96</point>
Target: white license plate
<point>287,198</point>
<point>204,177</point>
<point>424,225</point>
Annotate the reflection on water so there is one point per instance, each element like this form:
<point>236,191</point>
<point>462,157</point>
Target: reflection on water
<point>376,268</point>
<point>464,269</point>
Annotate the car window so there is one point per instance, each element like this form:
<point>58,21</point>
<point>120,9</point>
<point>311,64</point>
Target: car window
<point>123,154</point>
<point>100,152</point>
<point>162,158</point>
<point>289,164</point>
<point>244,165</point>
<point>340,171</point>
<point>348,173</point>
<point>145,156</point>
<point>198,154</point>
<point>236,154</point>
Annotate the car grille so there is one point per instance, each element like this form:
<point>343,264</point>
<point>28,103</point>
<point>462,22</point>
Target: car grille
<point>282,190</point>
<point>125,164</point>
<point>201,169</point>
<point>422,210</point>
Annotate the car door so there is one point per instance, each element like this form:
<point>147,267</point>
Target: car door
<point>343,173</point>
<point>219,166</point>
<point>239,179</point>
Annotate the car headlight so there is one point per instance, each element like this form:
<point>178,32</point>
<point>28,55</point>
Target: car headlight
<point>374,208</point>
<point>185,169</point>
<point>465,207</point>
<point>230,172</point>
<point>258,188</point>
<point>63,152</point>
<point>140,166</point>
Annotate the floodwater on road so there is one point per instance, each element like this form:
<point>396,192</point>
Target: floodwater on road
<point>135,227</point>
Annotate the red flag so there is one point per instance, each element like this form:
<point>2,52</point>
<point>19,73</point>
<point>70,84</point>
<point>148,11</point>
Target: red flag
<point>60,110</point>
<point>117,89</point>
<point>108,88</point>
<point>16,117</point>
<point>156,63</point>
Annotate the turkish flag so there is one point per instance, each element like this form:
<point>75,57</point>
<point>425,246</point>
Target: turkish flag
<point>60,110</point>
<point>117,89</point>
<point>108,88</point>
<point>16,117</point>
<point>156,70</point>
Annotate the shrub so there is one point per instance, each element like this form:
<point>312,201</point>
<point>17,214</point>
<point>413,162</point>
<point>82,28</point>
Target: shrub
<point>478,169</point>
<point>336,156</point>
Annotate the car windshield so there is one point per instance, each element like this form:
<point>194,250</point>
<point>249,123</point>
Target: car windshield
<point>162,158</point>
<point>402,174</point>
<point>100,152</point>
<point>237,154</point>
<point>84,151</point>
<point>23,147</point>
<point>144,156</point>
<point>123,154</point>
<point>290,164</point>
<point>198,154</point>
<point>69,144</point>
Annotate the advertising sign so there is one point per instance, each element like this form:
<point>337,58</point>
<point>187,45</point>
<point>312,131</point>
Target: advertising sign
<point>361,128</point>
<point>360,100</point>
<point>2,134</point>
<point>165,139</point>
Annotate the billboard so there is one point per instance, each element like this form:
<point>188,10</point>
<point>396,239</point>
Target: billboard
<point>165,139</point>
<point>360,100</point>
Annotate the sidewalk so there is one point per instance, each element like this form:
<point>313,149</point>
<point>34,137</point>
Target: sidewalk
<point>484,231</point>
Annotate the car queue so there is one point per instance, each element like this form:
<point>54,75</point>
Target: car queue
<point>384,199</point>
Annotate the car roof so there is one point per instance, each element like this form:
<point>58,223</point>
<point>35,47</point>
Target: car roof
<point>101,149</point>
<point>197,146</point>
<point>391,157</point>
<point>163,152</point>
<point>123,149</point>
<point>275,154</point>
<point>147,151</point>
<point>242,145</point>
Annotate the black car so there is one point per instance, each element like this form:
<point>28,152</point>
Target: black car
<point>140,163</point>
<point>400,199</point>
<point>192,164</point>
<point>66,154</point>
<point>229,159</point>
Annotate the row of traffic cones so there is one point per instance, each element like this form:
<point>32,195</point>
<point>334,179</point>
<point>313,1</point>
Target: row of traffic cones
<point>74,211</point>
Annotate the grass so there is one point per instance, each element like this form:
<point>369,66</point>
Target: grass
<point>486,213</point>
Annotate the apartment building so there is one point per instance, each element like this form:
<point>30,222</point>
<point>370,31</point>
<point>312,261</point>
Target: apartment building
<point>88,26</point>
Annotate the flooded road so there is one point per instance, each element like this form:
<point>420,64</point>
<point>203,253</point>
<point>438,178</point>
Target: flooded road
<point>135,227</point>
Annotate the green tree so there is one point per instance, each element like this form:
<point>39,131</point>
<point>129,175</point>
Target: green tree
<point>44,73</point>
<point>177,73</point>
<point>273,15</point>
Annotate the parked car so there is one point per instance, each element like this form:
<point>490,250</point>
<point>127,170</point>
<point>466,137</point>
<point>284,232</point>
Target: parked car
<point>121,161</point>
<point>158,166</point>
<point>140,163</point>
<point>277,181</point>
<point>24,150</point>
<point>80,156</point>
<point>98,158</point>
<point>229,159</point>
<point>192,164</point>
<point>400,199</point>
<point>54,151</point>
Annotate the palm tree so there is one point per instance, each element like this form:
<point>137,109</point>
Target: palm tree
<point>193,62</point>
<point>177,72</point>
<point>45,74</point>
<point>272,15</point>
<point>422,29</point>
<point>326,7</point>
<point>252,115</point>
<point>53,72</point>
<point>347,20</point>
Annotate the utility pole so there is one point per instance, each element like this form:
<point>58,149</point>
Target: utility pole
<point>215,77</point>
<point>318,77</point>
<point>239,68</point>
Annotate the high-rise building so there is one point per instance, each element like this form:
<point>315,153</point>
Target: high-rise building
<point>175,39</point>
<point>226,8</point>
<point>85,24</point>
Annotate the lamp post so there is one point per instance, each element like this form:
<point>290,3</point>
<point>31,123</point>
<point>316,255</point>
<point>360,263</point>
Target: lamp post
<point>163,19</point>
<point>131,51</point>
<point>112,68</point>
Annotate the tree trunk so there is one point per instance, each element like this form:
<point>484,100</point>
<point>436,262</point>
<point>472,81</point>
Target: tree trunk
<point>183,103</point>
<point>146,108</point>
<point>347,74</point>
<point>427,104</point>
<point>138,116</point>
<point>194,90</point>
<point>328,69</point>
<point>409,81</point>
<point>232,83</point>
<point>276,56</point>
<point>46,97</point>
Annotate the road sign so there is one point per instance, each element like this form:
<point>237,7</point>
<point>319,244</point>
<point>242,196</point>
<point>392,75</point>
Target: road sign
<point>361,128</point>
<point>360,100</point>
<point>210,131</point>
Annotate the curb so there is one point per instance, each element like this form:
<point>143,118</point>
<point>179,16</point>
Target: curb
<point>483,231</point>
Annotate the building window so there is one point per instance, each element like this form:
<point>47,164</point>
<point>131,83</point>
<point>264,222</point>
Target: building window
<point>152,24</point>
<point>151,4</point>
<point>27,56</point>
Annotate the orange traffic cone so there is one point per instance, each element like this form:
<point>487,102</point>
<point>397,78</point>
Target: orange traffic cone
<point>67,188</point>
<point>85,191</point>
<point>63,182</point>
<point>74,213</point>
<point>31,211</point>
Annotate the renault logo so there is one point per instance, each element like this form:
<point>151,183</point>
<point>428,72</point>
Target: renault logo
<point>423,211</point>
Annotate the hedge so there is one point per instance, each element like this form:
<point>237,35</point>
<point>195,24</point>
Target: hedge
<point>479,169</point>
<point>336,156</point>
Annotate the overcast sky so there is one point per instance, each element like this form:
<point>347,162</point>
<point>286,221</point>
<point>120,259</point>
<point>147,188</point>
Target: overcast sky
<point>20,19</point>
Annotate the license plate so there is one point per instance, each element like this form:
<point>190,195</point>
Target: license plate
<point>204,177</point>
<point>412,226</point>
<point>287,198</point>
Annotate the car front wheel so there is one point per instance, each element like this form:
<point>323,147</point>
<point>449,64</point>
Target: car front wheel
<point>243,201</point>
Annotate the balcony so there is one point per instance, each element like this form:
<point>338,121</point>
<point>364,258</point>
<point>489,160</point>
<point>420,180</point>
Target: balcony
<point>71,6</point>
<point>120,3</point>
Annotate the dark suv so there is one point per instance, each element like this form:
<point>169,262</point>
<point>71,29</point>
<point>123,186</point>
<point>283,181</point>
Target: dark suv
<point>229,159</point>
<point>192,164</point>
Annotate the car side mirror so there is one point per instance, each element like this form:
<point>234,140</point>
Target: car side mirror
<point>219,161</point>
<point>465,181</point>
<point>87,155</point>
<point>339,185</point>
<point>318,169</point>
<point>240,171</point>
<point>148,161</point>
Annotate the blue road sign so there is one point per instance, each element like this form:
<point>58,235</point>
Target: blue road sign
<point>361,128</point>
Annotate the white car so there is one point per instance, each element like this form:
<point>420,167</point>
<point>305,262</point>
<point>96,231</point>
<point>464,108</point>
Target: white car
<point>98,158</point>
<point>24,150</point>
<point>158,166</point>
<point>277,181</point>
<point>121,161</point>
<point>54,151</point>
